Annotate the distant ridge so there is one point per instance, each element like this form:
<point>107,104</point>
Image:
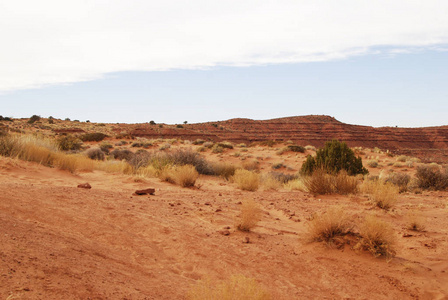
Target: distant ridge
<point>303,130</point>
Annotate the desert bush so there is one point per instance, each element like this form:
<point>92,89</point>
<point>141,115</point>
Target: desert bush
<point>190,157</point>
<point>283,178</point>
<point>73,162</point>
<point>122,154</point>
<point>295,185</point>
<point>246,180</point>
<point>223,169</point>
<point>208,144</point>
<point>165,146</point>
<point>415,222</point>
<point>310,148</point>
<point>385,195</point>
<point>185,175</point>
<point>373,163</point>
<point>69,142</point>
<point>377,237</point>
<point>344,184</point>
<point>269,182</point>
<point>319,182</point>
<point>332,224</point>
<point>236,288</point>
<point>296,148</point>
<point>277,166</point>
<point>217,149</point>
<point>113,166</point>
<point>225,145</point>
<point>402,158</point>
<point>95,153</point>
<point>137,144</point>
<point>432,177</point>
<point>242,145</point>
<point>34,119</point>
<point>198,142</point>
<point>249,216</point>
<point>397,164</point>
<point>401,180</point>
<point>105,147</point>
<point>93,137</point>
<point>253,165</point>
<point>335,156</point>
<point>268,143</point>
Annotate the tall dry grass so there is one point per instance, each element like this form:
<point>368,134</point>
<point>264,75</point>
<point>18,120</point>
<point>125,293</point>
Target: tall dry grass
<point>385,195</point>
<point>249,216</point>
<point>377,237</point>
<point>246,180</point>
<point>237,287</point>
<point>43,151</point>
<point>320,183</point>
<point>329,225</point>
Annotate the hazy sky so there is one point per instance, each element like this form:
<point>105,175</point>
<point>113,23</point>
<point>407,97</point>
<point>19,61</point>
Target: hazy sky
<point>379,63</point>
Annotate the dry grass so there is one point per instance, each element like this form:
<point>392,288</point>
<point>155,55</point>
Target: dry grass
<point>384,195</point>
<point>237,287</point>
<point>43,151</point>
<point>246,180</point>
<point>377,237</point>
<point>295,185</point>
<point>250,215</point>
<point>269,182</point>
<point>113,166</point>
<point>185,175</point>
<point>415,222</point>
<point>344,184</point>
<point>223,169</point>
<point>320,183</point>
<point>329,225</point>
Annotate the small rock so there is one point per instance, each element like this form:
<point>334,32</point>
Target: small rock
<point>246,240</point>
<point>207,203</point>
<point>85,186</point>
<point>218,210</point>
<point>149,191</point>
<point>227,227</point>
<point>219,194</point>
<point>225,232</point>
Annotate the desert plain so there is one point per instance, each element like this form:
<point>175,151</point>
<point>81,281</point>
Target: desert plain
<point>59,241</point>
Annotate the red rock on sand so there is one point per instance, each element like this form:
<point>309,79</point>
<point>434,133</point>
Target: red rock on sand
<point>85,186</point>
<point>149,191</point>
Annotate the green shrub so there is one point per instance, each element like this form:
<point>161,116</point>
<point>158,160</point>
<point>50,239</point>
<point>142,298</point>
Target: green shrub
<point>93,137</point>
<point>334,157</point>
<point>34,119</point>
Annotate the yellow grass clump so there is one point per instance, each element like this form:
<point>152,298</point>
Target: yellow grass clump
<point>249,216</point>
<point>185,175</point>
<point>385,195</point>
<point>320,183</point>
<point>246,180</point>
<point>237,287</point>
<point>295,185</point>
<point>269,182</point>
<point>329,225</point>
<point>224,169</point>
<point>377,237</point>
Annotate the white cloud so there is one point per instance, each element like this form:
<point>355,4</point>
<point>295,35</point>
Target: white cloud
<point>53,41</point>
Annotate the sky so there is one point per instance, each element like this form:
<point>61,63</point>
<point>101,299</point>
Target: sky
<point>376,63</point>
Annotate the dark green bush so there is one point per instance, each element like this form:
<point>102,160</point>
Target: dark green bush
<point>93,137</point>
<point>334,157</point>
<point>432,177</point>
<point>34,119</point>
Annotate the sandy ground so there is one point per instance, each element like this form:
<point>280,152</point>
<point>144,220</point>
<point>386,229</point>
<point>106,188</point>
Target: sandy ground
<point>58,241</point>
